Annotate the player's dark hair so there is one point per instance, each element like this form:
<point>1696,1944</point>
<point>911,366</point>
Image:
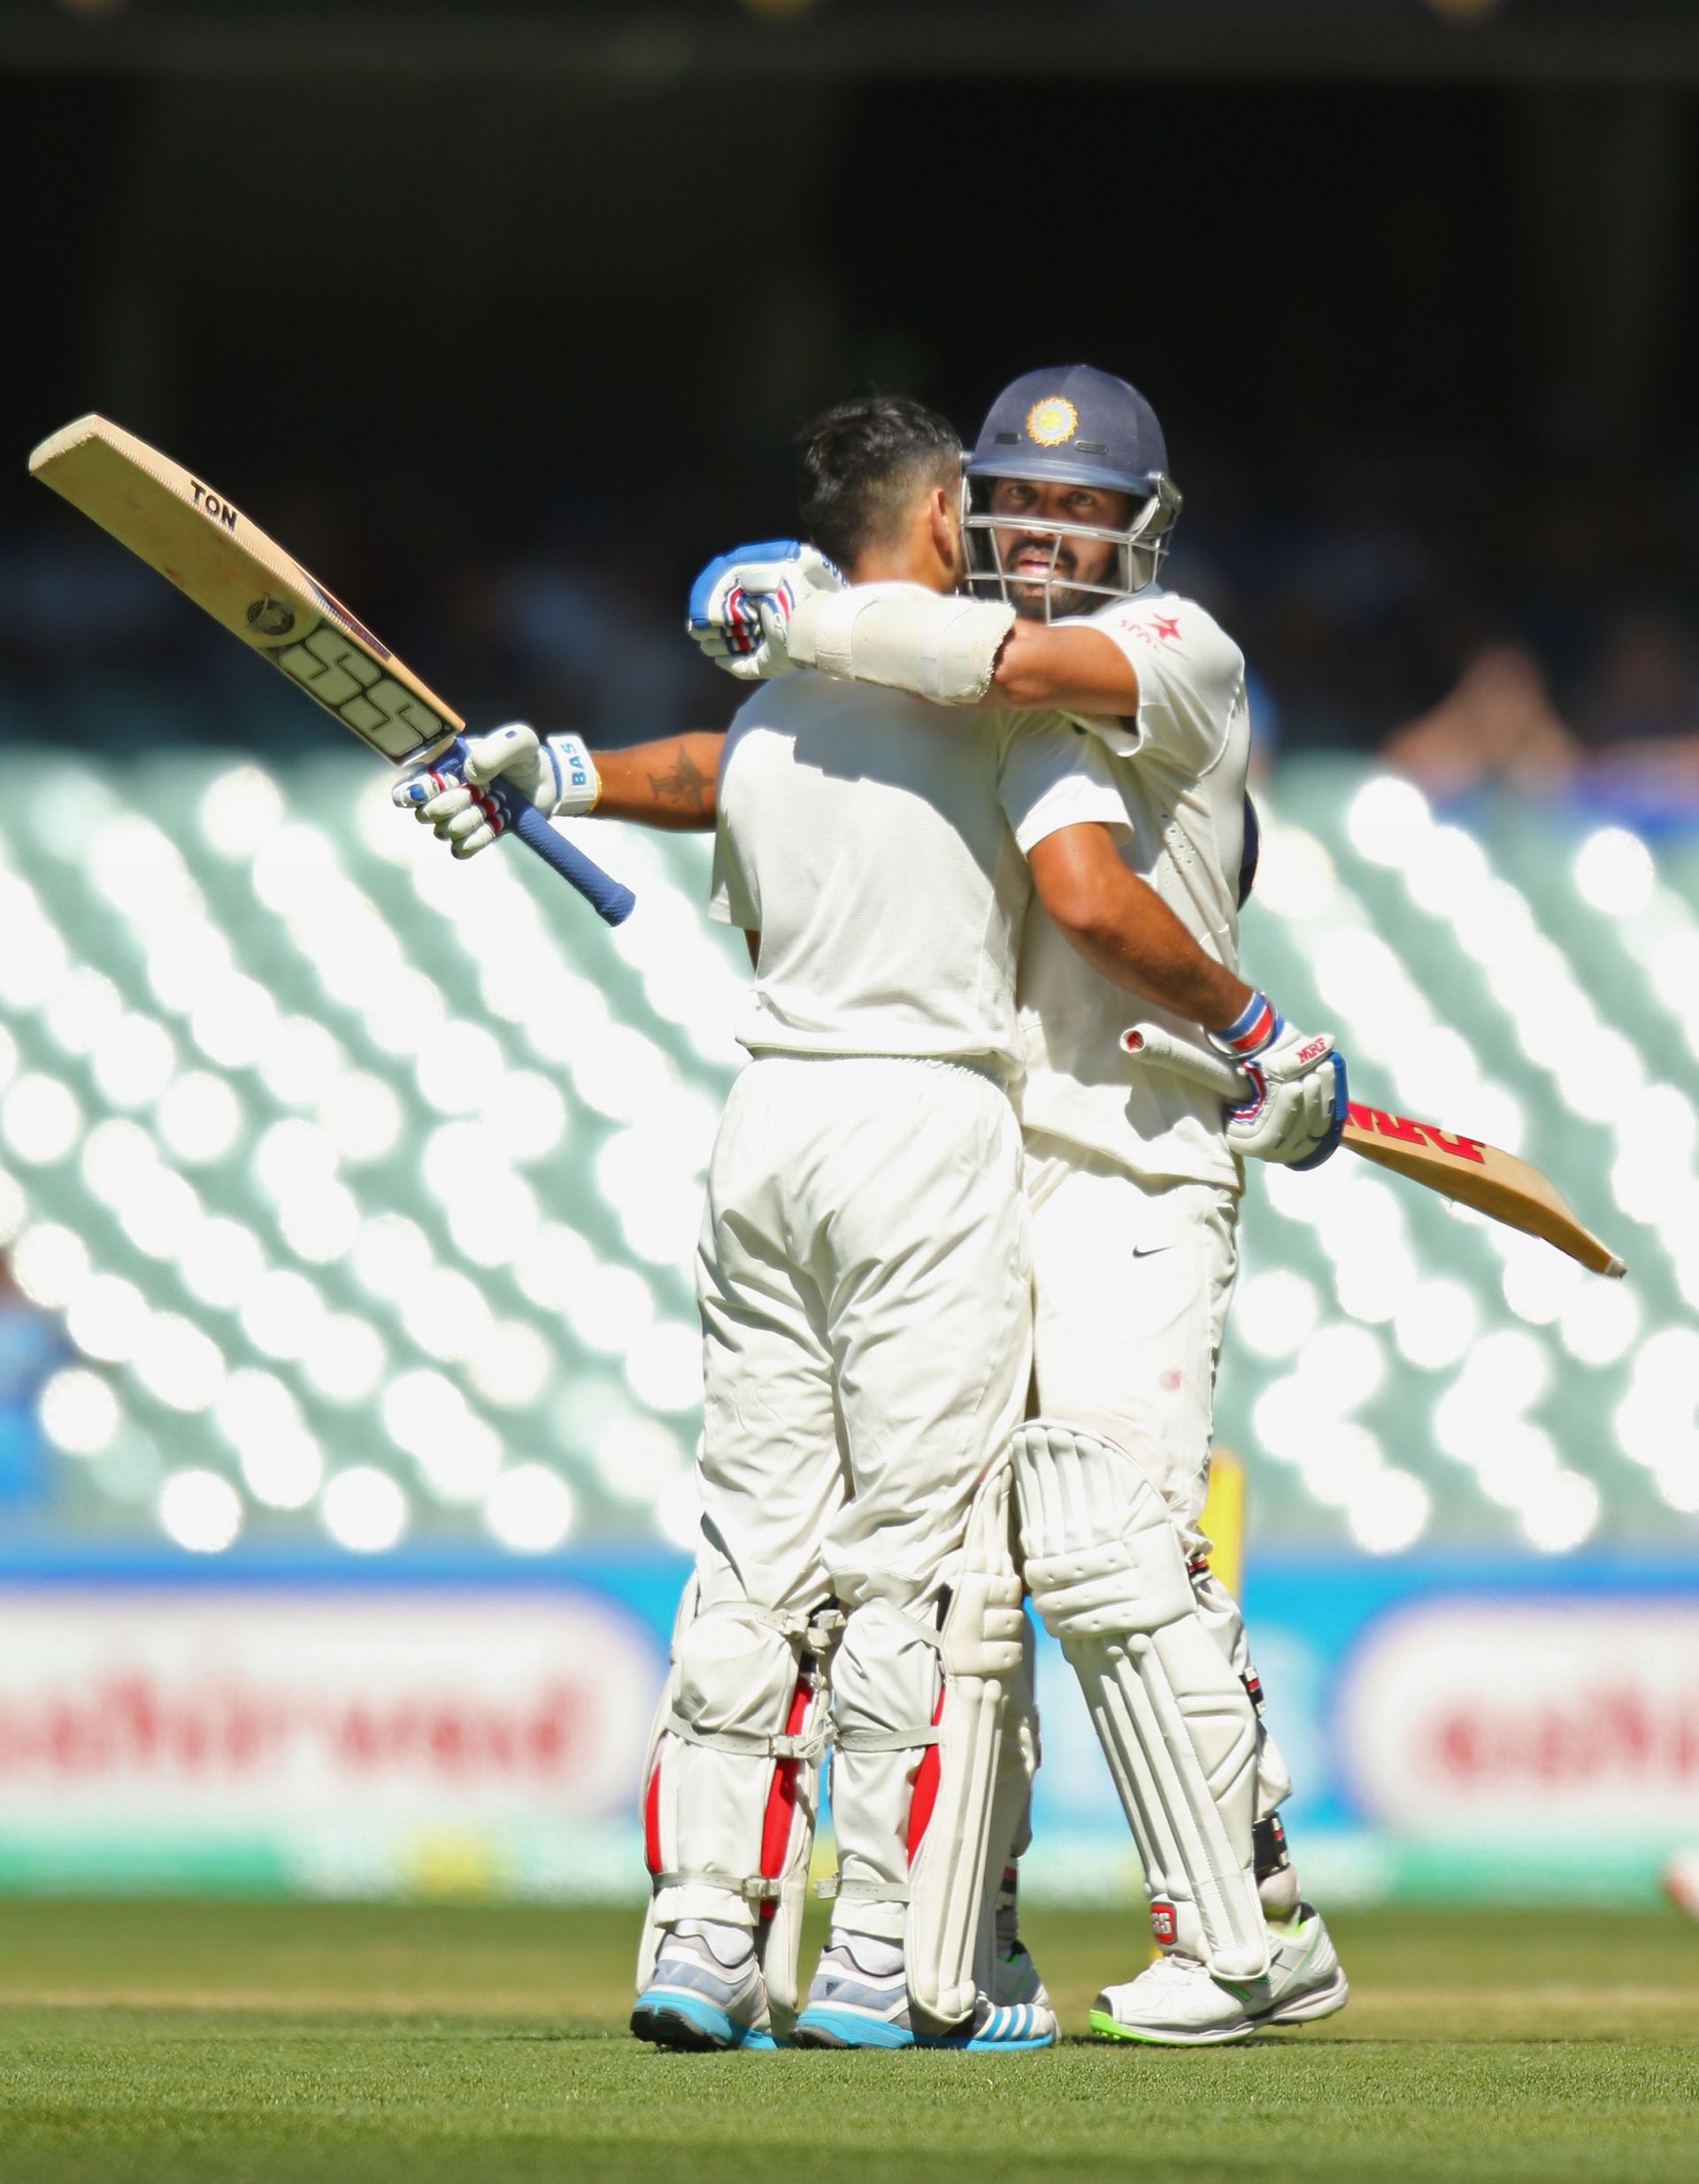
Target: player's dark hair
<point>860,467</point>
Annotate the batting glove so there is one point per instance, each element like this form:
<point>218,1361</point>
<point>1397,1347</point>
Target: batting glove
<point>556,773</point>
<point>1299,1101</point>
<point>742,604</point>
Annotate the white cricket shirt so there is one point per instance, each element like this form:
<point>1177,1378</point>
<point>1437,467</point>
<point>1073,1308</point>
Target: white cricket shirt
<point>1179,768</point>
<point>876,843</point>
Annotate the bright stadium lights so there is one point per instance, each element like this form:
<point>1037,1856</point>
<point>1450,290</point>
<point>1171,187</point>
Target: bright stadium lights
<point>114,1153</point>
<point>458,1068</point>
<point>622,1074</point>
<point>1436,1322</point>
<point>34,961</point>
<point>235,1024</point>
<point>1338,1460</point>
<point>14,1209</point>
<point>677,1511</point>
<point>1564,1515</point>
<point>1537,1281</point>
<point>108,1318</point>
<point>40,1118</point>
<point>1514,1464</point>
<point>1386,820</point>
<point>1446,872</point>
<point>1275,1312</point>
<point>50,1264</point>
<point>291,1158</point>
<point>1297,880</point>
<point>498,1225</point>
<point>345,1359</point>
<point>1503,1376</point>
<point>530,1509</point>
<point>240,809</point>
<point>446,1314</point>
<point>133,1061</point>
<point>78,1410</point>
<point>1601,1070</point>
<point>139,870</point>
<point>1341,1367</point>
<point>636,1458</point>
<point>319,1225</point>
<point>301,1062</point>
<point>663,1366</point>
<point>403,1015</point>
<point>1677,1477</point>
<point>557,1268</point>
<point>285,1471</point>
<point>199,1119</point>
<point>200,1512</point>
<point>296,862</point>
<point>1388,1512</point>
<point>178,1365</point>
<point>364,1510</point>
<point>1374,1286</point>
<point>254,1407</point>
<point>218,1261</point>
<point>8,1058</point>
<point>527,1115</point>
<point>1600,1323</point>
<point>85,1004</point>
<point>1613,871</point>
<point>1281,1419</point>
<point>159,1211</point>
<point>281,1314</point>
<point>186,957</point>
<point>512,1367</point>
<point>361,1117</point>
<point>390,1254</point>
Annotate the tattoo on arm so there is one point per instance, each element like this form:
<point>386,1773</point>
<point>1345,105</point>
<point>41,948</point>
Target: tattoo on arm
<point>687,788</point>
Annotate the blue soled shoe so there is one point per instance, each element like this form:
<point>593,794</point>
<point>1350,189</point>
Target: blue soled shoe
<point>696,2002</point>
<point>849,2006</point>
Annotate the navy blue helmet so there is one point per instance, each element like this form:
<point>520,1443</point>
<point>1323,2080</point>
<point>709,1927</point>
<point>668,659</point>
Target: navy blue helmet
<point>1068,424</point>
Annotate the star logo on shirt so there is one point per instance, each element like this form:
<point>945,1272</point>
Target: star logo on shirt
<point>1165,625</point>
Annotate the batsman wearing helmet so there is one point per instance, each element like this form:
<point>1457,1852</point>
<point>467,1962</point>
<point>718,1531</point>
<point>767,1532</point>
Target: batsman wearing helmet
<point>1133,1176</point>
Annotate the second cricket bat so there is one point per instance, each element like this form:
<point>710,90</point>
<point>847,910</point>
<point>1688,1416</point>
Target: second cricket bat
<point>227,565</point>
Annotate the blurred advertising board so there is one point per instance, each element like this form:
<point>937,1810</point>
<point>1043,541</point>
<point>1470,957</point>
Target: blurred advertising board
<point>453,1726</point>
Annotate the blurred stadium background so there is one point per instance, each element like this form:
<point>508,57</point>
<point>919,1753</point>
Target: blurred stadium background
<point>338,1542</point>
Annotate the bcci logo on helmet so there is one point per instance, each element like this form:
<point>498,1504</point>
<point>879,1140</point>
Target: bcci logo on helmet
<point>1052,421</point>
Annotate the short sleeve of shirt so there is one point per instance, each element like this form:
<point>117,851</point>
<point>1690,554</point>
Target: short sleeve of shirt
<point>1051,776</point>
<point>1191,679</point>
<point>730,899</point>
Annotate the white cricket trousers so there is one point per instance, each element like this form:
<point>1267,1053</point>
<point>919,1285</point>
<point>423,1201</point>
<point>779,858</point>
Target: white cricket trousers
<point>863,1279</point>
<point>1132,1284</point>
<point>866,1289</point>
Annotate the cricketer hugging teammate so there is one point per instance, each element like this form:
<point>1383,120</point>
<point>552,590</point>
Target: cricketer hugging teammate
<point>966,1262</point>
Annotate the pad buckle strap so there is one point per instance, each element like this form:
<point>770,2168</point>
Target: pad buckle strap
<point>834,1886</point>
<point>753,1888</point>
<point>809,1747</point>
<point>885,1739</point>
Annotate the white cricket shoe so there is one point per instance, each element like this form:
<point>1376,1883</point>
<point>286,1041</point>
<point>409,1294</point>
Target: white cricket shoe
<point>852,2006</point>
<point>1178,2003</point>
<point>706,1992</point>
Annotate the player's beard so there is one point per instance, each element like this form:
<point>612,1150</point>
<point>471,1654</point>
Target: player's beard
<point>1027,594</point>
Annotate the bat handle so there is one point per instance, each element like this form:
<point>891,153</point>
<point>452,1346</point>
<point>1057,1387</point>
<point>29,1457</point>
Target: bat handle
<point>1213,1072</point>
<point>611,899</point>
<point>613,902</point>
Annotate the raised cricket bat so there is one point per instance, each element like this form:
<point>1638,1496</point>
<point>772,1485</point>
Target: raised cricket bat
<point>178,524</point>
<point>1474,1173</point>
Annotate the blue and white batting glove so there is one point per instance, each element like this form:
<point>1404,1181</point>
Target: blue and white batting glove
<point>741,604</point>
<point>556,773</point>
<point>1300,1101</point>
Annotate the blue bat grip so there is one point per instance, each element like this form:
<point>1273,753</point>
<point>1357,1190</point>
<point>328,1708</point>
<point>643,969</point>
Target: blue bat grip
<point>612,900</point>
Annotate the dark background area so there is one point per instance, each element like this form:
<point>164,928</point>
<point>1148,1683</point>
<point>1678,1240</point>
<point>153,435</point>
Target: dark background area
<point>502,320</point>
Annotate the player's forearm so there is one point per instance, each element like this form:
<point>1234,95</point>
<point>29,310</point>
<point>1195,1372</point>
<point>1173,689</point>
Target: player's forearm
<point>1074,670</point>
<point>1159,959</point>
<point>1124,929</point>
<point>668,784</point>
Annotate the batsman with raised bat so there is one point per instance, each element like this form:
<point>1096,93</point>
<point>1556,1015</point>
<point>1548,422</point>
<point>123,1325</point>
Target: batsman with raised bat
<point>1132,1177</point>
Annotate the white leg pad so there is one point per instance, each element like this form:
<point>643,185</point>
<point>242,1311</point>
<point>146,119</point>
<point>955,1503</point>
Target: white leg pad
<point>731,1795</point>
<point>918,1725</point>
<point>1108,1575</point>
<point>1010,1832</point>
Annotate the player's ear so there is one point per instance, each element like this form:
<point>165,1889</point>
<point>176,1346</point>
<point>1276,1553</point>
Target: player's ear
<point>944,521</point>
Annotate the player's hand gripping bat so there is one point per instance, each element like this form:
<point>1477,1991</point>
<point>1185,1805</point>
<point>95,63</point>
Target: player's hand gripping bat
<point>227,565</point>
<point>1475,1175</point>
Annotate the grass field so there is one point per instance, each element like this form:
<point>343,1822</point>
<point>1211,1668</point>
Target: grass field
<point>261,2042</point>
